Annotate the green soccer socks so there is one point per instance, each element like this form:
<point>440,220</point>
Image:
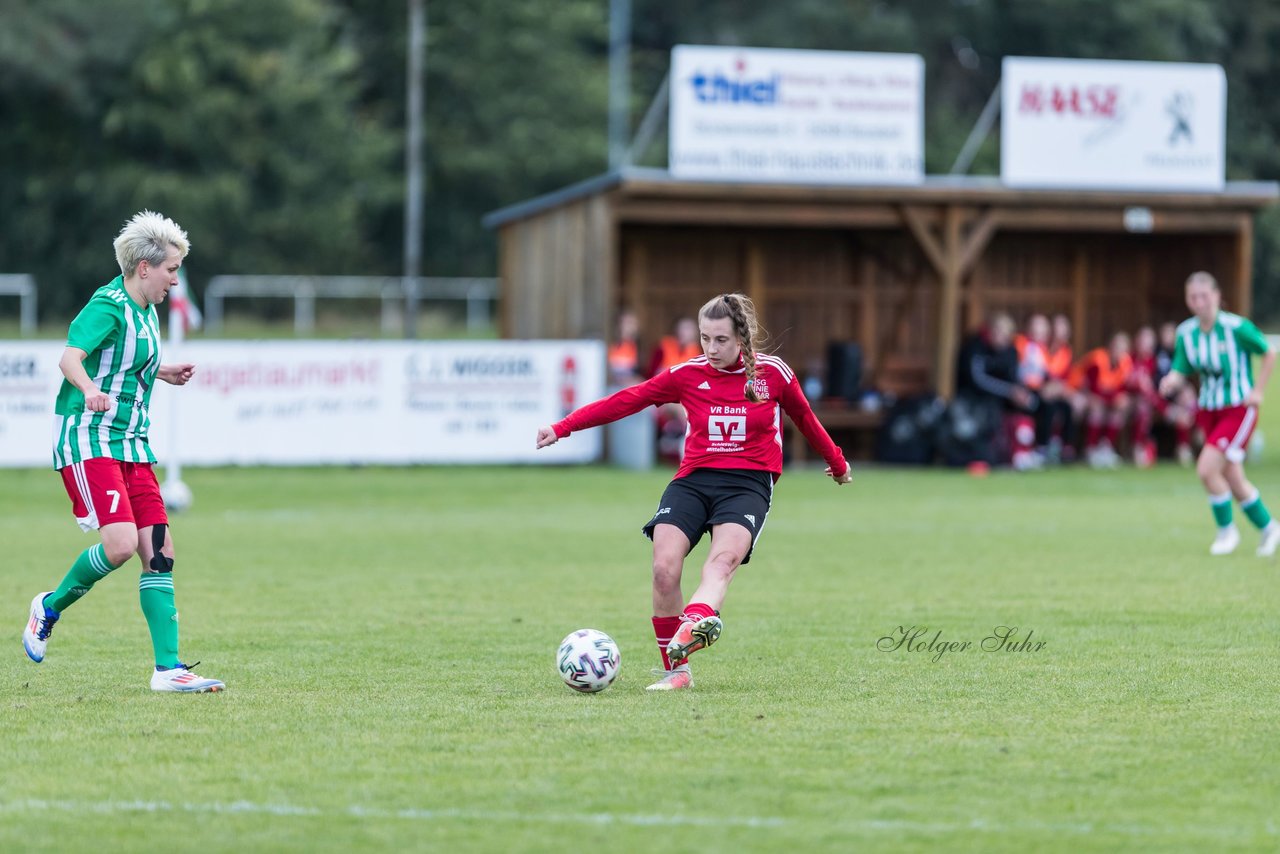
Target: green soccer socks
<point>90,568</point>
<point>155,594</point>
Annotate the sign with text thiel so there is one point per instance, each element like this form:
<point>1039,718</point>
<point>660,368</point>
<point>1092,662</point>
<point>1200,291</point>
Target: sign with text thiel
<point>1112,125</point>
<point>796,116</point>
<point>322,402</point>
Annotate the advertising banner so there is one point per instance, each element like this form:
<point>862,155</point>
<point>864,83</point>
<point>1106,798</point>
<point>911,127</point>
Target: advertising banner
<point>1112,125</point>
<point>803,116</point>
<point>321,402</point>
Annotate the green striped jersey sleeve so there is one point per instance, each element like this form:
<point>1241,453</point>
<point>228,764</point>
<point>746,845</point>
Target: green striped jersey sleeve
<point>96,322</point>
<point>1251,339</point>
<point>1180,362</point>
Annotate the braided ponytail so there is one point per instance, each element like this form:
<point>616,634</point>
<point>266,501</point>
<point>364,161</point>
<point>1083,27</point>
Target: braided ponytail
<point>742,313</point>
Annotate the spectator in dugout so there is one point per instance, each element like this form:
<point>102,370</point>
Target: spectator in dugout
<point>624,351</point>
<point>677,348</point>
<point>1101,380</point>
<point>1147,402</point>
<point>1151,409</point>
<point>674,349</point>
<point>1047,378</point>
<point>1180,410</point>
<point>987,369</point>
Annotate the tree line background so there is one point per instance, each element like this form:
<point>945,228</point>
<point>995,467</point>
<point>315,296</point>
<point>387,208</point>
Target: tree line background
<point>273,130</point>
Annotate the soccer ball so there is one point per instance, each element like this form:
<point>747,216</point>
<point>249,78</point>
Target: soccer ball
<point>588,660</point>
<point>176,495</point>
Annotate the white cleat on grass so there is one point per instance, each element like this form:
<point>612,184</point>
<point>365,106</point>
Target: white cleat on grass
<point>674,679</point>
<point>1270,540</point>
<point>181,679</point>
<point>1226,541</point>
<point>35,637</point>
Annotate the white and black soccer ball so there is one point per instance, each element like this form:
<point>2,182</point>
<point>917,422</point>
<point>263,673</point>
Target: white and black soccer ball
<point>588,660</point>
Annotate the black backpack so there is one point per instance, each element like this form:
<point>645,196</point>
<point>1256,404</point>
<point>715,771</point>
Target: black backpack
<point>909,433</point>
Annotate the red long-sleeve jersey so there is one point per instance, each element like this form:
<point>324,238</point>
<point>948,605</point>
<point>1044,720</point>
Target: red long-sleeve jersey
<point>726,431</point>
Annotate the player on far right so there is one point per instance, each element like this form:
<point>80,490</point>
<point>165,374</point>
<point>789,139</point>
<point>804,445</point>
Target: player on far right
<point>1219,346</point>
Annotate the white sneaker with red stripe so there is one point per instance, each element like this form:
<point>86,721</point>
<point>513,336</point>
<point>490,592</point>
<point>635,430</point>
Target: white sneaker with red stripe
<point>35,637</point>
<point>181,678</point>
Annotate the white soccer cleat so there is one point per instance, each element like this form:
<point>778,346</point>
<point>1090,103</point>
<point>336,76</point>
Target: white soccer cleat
<point>35,637</point>
<point>1270,540</point>
<point>675,679</point>
<point>1226,541</point>
<point>181,679</point>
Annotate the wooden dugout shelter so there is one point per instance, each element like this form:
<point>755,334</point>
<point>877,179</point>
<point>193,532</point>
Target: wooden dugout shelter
<point>903,271</point>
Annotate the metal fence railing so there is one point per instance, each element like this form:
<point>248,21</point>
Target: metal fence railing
<point>22,286</point>
<point>396,293</point>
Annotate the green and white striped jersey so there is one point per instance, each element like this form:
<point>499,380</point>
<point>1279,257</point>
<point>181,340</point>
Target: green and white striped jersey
<point>122,339</point>
<point>1222,357</point>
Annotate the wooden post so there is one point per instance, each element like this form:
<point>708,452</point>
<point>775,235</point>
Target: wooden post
<point>948,303</point>
<point>508,270</point>
<point>1244,266</point>
<point>952,259</point>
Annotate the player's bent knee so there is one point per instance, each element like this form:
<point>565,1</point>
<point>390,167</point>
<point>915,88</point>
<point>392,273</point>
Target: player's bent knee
<point>1210,466</point>
<point>118,555</point>
<point>666,582</point>
<point>119,542</point>
<point>725,563</point>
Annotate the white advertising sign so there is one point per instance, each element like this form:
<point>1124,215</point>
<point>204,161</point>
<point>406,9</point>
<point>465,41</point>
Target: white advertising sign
<point>1112,125</point>
<point>313,402</point>
<point>803,116</point>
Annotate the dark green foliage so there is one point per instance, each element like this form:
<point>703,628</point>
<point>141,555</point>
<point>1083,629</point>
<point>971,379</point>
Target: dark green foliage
<point>274,131</point>
<point>241,120</point>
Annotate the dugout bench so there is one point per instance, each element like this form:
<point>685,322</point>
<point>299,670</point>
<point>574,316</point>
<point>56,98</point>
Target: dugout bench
<point>852,428</point>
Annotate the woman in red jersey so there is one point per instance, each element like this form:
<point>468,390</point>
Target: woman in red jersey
<point>733,455</point>
<point>1102,380</point>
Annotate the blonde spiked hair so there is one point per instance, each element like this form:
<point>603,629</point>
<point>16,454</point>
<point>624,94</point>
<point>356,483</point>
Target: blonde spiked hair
<point>147,237</point>
<point>741,311</point>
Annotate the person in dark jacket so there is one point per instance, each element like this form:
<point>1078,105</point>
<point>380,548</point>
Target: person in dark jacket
<point>987,377</point>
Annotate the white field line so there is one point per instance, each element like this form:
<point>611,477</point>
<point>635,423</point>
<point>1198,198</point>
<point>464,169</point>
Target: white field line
<point>850,825</point>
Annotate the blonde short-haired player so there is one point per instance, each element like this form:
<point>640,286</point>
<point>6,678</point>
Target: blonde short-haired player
<point>101,422</point>
<point>1219,346</point>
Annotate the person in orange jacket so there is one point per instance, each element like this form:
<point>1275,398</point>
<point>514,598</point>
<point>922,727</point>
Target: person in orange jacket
<point>1041,369</point>
<point>1101,379</point>
<point>624,352</point>
<point>672,351</point>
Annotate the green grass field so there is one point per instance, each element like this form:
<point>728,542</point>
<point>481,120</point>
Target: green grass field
<point>387,637</point>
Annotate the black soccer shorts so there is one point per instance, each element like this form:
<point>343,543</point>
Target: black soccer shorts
<point>708,497</point>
